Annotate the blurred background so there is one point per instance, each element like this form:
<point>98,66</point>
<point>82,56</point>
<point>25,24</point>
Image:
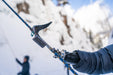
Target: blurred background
<point>77,24</point>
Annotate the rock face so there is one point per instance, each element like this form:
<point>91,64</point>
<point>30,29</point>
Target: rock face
<point>64,25</point>
<point>68,31</point>
<point>96,20</point>
<point>23,7</point>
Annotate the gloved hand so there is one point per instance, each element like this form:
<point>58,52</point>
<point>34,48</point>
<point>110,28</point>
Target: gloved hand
<point>62,53</point>
<point>72,58</point>
<point>56,51</point>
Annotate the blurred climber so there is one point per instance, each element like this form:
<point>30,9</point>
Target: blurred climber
<point>25,66</point>
<point>99,62</point>
<point>62,2</point>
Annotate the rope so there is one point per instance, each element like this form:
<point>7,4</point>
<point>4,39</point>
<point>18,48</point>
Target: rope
<point>18,15</point>
<point>49,47</point>
<point>68,70</point>
<point>11,48</point>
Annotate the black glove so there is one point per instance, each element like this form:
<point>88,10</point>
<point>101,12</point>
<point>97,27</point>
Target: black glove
<point>72,58</point>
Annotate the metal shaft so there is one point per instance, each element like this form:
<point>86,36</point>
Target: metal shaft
<point>67,65</point>
<point>67,71</point>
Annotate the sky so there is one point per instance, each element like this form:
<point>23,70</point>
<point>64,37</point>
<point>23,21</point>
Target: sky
<point>76,4</point>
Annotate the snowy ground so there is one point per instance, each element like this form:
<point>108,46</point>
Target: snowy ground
<point>15,39</point>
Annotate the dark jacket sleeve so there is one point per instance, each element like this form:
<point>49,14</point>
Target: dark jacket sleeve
<point>18,62</point>
<point>99,62</point>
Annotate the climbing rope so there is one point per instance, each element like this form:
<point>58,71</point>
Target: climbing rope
<point>11,48</point>
<point>41,42</point>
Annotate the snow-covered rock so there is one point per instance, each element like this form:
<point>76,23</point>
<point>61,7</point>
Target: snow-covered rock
<point>95,18</point>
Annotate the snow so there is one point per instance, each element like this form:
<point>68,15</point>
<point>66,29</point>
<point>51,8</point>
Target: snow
<point>15,39</point>
<point>96,18</point>
<point>23,45</point>
<point>89,16</point>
